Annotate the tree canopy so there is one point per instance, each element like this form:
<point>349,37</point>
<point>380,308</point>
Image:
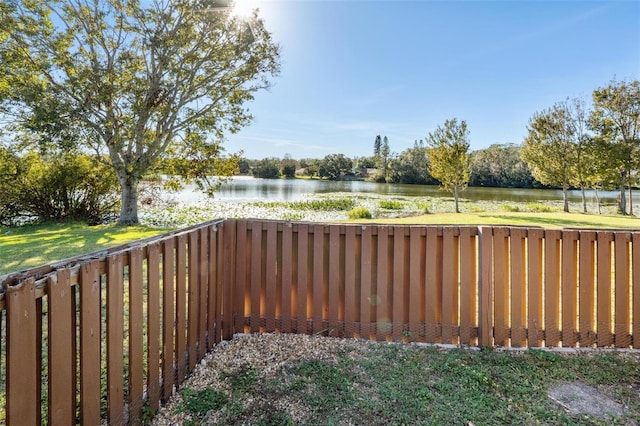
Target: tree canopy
<point>449,156</point>
<point>138,81</point>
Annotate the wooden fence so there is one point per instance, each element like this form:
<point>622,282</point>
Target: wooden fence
<point>110,335</point>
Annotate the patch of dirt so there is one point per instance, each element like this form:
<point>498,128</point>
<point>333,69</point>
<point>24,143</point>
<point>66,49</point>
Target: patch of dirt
<point>580,398</point>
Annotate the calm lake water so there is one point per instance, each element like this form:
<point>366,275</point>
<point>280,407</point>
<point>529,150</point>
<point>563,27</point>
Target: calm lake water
<point>250,189</point>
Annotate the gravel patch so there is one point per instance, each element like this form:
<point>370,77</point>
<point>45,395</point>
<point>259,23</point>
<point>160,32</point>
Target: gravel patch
<point>271,355</point>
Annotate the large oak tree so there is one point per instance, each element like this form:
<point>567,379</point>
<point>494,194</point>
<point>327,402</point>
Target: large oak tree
<point>137,80</point>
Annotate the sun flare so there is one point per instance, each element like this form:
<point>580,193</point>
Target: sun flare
<point>244,8</point>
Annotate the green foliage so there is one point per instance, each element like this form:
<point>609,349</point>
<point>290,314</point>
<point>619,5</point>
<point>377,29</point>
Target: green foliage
<point>198,403</point>
<point>412,166</point>
<point>616,117</point>
<point>334,166</point>
<point>267,168</point>
<point>359,212</point>
<point>509,208</point>
<point>500,166</point>
<point>449,155</point>
<point>65,186</point>
<point>288,166</point>
<point>243,379</point>
<point>142,81</point>
<point>538,207</point>
<point>390,205</point>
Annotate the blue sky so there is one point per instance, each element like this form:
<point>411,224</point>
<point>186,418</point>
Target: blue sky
<point>354,69</point>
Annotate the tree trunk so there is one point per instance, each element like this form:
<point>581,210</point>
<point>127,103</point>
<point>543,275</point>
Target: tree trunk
<point>622,200</point>
<point>584,200</point>
<point>455,197</point>
<point>597,200</point>
<point>129,204</point>
<point>565,199</point>
<point>630,197</point>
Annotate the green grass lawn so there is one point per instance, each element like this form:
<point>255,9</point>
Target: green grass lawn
<point>30,246</point>
<point>553,220</point>
<point>34,245</point>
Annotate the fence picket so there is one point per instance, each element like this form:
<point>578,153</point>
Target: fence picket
<point>552,287</point>
<point>535,239</point>
<point>23,369</point>
<point>302,282</point>
<point>366,305</point>
<point>450,280</point>
<point>286,271</point>
<point>468,285</point>
<point>605,337</point>
<point>115,338</point>
<point>168,319</point>
<point>587,295</point>
<point>90,340</point>
<point>350,254</point>
<point>501,285</point>
<point>271,251</point>
<point>622,292</point>
<point>136,320</point>
<point>153,326</point>
<point>517,267</point>
<point>317,283</point>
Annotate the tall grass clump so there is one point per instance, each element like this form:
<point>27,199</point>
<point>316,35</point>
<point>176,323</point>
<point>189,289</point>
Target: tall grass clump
<point>538,208</point>
<point>359,212</point>
<point>390,205</point>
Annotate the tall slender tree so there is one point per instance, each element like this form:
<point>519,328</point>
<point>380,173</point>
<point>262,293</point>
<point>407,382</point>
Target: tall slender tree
<point>449,156</point>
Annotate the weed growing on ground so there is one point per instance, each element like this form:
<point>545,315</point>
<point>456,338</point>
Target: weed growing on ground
<point>359,212</point>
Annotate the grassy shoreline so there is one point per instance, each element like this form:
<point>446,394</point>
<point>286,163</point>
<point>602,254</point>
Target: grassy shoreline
<point>29,246</point>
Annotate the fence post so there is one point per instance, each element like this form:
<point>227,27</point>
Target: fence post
<point>485,294</point>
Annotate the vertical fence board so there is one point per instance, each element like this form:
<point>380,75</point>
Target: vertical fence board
<point>622,302</point>
<point>203,284</point>
<point>450,285</point>
<point>398,286</point>
<point>90,340</point>
<point>501,283</point>
<point>569,287</point>
<point>181,309</point>
<point>485,302</point>
<point>350,281</point>
<point>271,277</point>
<point>383,319</point>
<point>220,283</point>
<point>604,289</point>
<point>213,307</point>
<point>552,287</point>
<point>168,319</point>
<point>534,286</point>
<point>287,271</point>
<point>518,286</point>
<point>468,288</point>
<point>243,278</point>
<point>229,258</point>
<point>416,260</point>
<point>256,276</point>
<point>587,295</point>
<point>318,272</point>
<point>61,360</point>
<point>302,284</point>
<point>115,338</point>
<point>365,283</point>
<point>136,319</point>
<point>22,403</point>
<point>193,305</point>
<point>636,289</point>
<point>334,279</point>
<point>153,326</point>
<point>433,285</point>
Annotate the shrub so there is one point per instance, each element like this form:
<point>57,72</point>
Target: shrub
<point>359,212</point>
<point>65,186</point>
<point>423,206</point>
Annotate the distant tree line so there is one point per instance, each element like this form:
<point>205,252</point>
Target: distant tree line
<point>567,146</point>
